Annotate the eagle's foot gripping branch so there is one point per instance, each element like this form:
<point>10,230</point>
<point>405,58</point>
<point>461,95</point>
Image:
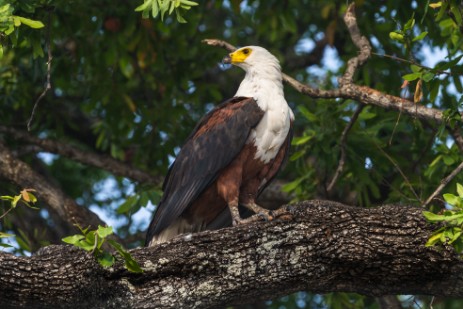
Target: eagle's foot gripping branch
<point>261,214</point>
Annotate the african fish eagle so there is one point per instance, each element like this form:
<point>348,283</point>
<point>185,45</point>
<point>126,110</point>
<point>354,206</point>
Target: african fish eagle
<point>231,156</point>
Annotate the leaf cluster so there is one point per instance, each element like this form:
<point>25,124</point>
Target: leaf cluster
<point>452,219</point>
<point>93,240</point>
<point>161,7</point>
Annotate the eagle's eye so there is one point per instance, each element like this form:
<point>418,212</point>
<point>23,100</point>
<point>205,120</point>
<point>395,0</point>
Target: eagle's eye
<point>246,51</point>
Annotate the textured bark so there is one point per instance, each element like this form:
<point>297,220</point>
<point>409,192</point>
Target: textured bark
<point>325,247</point>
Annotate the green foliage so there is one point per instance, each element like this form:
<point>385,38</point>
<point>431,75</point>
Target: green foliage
<point>452,220</point>
<point>9,23</point>
<point>25,197</point>
<point>157,7</point>
<point>92,241</point>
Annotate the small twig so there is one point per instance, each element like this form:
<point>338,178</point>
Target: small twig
<point>400,171</point>
<point>443,183</point>
<point>219,43</point>
<point>342,143</point>
<point>48,83</point>
<point>6,212</point>
<point>395,127</point>
<point>411,62</point>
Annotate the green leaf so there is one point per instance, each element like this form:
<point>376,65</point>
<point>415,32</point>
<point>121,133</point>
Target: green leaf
<point>428,76</point>
<point>6,235</point>
<point>127,205</point>
<point>6,245</point>
<point>130,263</point>
<point>412,76</point>
<point>396,36</point>
<point>301,140</point>
<point>15,201</point>
<point>35,24</point>
<point>189,3</point>
<point>106,259</point>
<point>154,8</point>
<point>307,114</point>
<point>432,217</point>
<point>180,18</point>
<point>448,160</point>
<point>292,185</point>
<point>451,199</point>
<point>456,13</point>
<point>73,240</point>
<point>460,190</point>
<point>420,36</point>
<point>448,65</point>
<point>365,115</point>
<point>104,232</point>
<point>433,239</point>
<point>435,85</point>
<point>410,23</point>
<point>416,68</point>
<point>144,6</point>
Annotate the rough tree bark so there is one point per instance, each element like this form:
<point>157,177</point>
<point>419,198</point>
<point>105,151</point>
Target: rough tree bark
<point>325,247</point>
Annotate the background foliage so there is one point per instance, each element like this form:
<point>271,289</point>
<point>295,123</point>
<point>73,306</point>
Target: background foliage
<point>133,88</point>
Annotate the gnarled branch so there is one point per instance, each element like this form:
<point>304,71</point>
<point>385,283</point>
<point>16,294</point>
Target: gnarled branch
<point>326,247</point>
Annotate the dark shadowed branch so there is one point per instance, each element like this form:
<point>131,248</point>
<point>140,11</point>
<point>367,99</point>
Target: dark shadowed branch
<point>60,204</point>
<point>90,158</point>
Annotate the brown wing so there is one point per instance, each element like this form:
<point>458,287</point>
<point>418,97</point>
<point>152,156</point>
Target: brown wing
<point>224,218</point>
<point>214,143</point>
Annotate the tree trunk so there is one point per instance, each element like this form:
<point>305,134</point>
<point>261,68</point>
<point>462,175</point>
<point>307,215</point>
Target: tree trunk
<point>325,247</point>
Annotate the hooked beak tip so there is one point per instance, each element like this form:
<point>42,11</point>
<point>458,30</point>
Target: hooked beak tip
<point>226,60</point>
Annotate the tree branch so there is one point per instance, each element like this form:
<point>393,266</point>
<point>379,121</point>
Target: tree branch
<point>326,247</point>
<point>66,208</point>
<point>105,162</point>
<point>349,90</point>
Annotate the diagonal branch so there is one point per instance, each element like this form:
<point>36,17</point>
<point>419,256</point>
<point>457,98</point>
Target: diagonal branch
<point>66,208</point>
<point>112,165</point>
<point>342,145</point>
<point>443,183</point>
<point>349,90</point>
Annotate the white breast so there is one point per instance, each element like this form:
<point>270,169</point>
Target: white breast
<point>271,132</point>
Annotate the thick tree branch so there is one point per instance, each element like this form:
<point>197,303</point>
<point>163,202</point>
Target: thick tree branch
<point>105,162</point>
<point>64,207</point>
<point>326,247</point>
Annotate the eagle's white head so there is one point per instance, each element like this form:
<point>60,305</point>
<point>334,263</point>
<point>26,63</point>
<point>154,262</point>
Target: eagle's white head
<point>253,57</point>
<point>263,80</point>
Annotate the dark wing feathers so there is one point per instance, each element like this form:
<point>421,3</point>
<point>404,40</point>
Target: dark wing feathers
<point>224,218</point>
<point>214,143</point>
